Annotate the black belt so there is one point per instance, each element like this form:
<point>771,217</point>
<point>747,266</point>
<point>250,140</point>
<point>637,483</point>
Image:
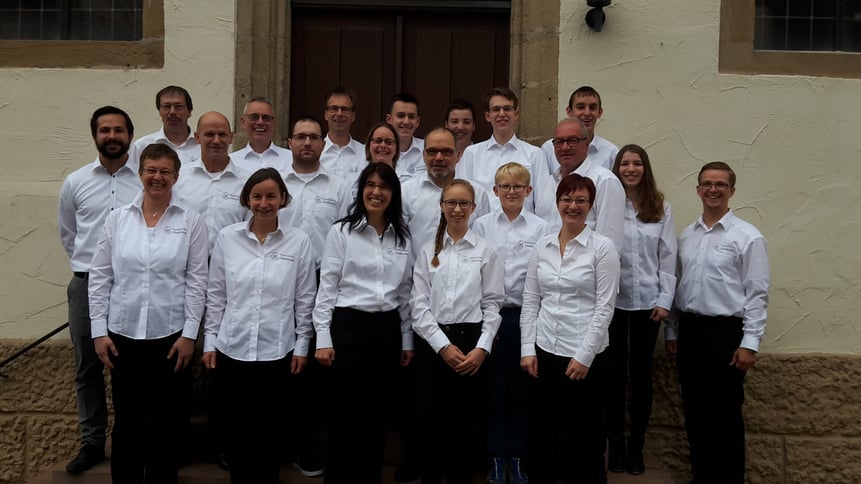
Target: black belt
<point>82,275</point>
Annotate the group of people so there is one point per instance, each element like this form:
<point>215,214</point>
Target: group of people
<point>489,297</point>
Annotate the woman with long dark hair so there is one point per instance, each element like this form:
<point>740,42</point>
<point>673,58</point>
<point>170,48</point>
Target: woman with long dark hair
<point>363,323</point>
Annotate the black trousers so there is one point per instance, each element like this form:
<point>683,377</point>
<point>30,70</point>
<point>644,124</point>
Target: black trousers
<point>632,345</point>
<point>250,397</point>
<point>454,410</point>
<point>712,396</point>
<point>363,378</point>
<point>566,432</point>
<point>150,402</point>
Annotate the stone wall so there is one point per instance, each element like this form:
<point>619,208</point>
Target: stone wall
<point>803,416</point>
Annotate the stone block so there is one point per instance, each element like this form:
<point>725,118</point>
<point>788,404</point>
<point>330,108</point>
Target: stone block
<point>40,381</point>
<point>669,447</point>
<point>667,399</point>
<point>765,459</point>
<point>12,438</point>
<point>50,439</point>
<point>812,394</point>
<point>832,460</point>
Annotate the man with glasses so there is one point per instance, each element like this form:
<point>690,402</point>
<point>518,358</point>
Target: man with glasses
<point>421,194</point>
<point>87,197</point>
<point>319,199</point>
<point>174,107</point>
<point>342,157</point>
<point>570,146</point>
<point>585,105</point>
<point>717,324</point>
<point>211,184</point>
<point>481,160</point>
<point>404,116</point>
<point>259,123</point>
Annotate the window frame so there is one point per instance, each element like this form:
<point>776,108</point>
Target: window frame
<point>737,55</point>
<point>147,53</point>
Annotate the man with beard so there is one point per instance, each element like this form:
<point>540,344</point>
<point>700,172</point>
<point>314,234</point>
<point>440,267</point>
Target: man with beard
<point>585,105</point>
<point>211,185</point>
<point>174,107</point>
<point>87,196</point>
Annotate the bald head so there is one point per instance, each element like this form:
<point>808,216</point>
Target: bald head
<point>214,137</point>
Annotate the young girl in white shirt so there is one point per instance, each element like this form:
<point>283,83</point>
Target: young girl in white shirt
<point>258,325</point>
<point>363,325</point>
<point>457,292</point>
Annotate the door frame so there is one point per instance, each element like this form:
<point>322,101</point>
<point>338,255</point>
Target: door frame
<point>263,33</point>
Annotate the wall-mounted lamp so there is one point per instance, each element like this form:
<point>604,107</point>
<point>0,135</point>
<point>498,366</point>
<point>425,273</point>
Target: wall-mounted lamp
<point>595,16</point>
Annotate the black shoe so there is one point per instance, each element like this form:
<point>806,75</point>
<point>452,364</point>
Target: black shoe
<point>635,466</point>
<point>616,454</point>
<point>406,473</point>
<point>87,458</point>
<point>308,466</point>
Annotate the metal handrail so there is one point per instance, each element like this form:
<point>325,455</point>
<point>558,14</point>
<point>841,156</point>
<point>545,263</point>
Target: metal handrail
<point>30,346</point>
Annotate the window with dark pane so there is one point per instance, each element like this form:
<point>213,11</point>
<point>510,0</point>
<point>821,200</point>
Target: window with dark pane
<point>118,20</point>
<point>808,25</point>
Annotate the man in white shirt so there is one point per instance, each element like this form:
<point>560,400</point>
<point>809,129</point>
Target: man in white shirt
<point>404,116</point>
<point>480,161</point>
<point>585,105</point>
<point>607,217</point>
<point>259,123</point>
<point>87,196</point>
<point>343,157</point>
<point>174,107</point>
<point>422,193</point>
<point>212,184</point>
<point>460,119</point>
<point>719,319</point>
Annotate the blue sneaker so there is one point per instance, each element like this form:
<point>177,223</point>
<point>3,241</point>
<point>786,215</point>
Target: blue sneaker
<point>515,472</point>
<point>496,474</point>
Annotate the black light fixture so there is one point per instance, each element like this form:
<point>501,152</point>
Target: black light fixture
<point>595,16</point>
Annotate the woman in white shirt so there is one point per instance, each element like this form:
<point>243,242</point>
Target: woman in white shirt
<point>382,144</point>
<point>147,288</point>
<point>646,291</point>
<point>568,297</point>
<point>258,325</point>
<point>362,320</point>
<point>457,292</point>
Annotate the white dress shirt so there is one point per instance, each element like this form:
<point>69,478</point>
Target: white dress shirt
<point>149,282</point>
<point>345,163</point>
<point>568,301</point>
<point>317,203</point>
<point>88,195</point>
<point>466,287</point>
<point>514,241</point>
<point>421,198</point>
<point>260,296</point>
<point>601,151</point>
<point>272,157</point>
<point>188,150</point>
<point>724,272</point>
<point>481,160</point>
<point>215,196</point>
<point>363,271</point>
<point>607,215</point>
<point>648,262</point>
<point>411,163</point>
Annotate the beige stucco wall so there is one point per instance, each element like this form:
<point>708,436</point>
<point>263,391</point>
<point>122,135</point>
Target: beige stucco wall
<point>793,142</point>
<point>44,135</point>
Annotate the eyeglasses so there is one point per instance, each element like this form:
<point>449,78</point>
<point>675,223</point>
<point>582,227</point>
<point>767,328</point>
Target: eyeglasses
<point>446,152</point>
<point>716,185</point>
<point>381,186</point>
<point>176,107</point>
<point>511,188</point>
<point>463,204</point>
<point>153,172</point>
<point>576,201</point>
<point>383,141</point>
<point>334,109</point>
<point>506,109</point>
<point>303,137</point>
<point>571,142</point>
<point>254,117</point>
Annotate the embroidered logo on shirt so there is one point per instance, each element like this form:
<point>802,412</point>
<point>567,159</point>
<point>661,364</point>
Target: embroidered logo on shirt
<point>327,201</point>
<point>467,260</point>
<point>175,230</point>
<point>280,256</point>
<point>392,251</point>
<point>228,196</point>
<point>726,249</point>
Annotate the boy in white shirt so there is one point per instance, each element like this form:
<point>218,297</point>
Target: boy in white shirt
<point>514,232</point>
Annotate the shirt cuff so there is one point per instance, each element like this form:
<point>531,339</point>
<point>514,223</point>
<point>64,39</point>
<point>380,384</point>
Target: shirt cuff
<point>190,330</point>
<point>324,339</point>
<point>527,349</point>
<point>750,342</point>
<point>407,341</point>
<point>301,348</point>
<point>98,328</point>
<point>209,343</point>
<point>485,342</point>
<point>439,341</point>
<point>585,358</point>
